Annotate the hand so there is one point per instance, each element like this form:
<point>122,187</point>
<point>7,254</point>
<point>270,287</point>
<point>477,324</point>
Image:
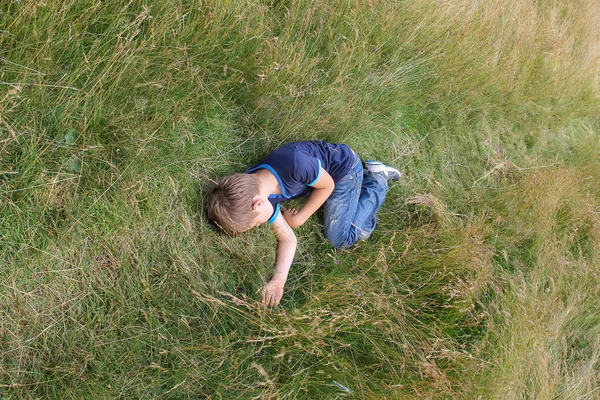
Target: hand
<point>288,212</point>
<point>292,217</point>
<point>272,293</point>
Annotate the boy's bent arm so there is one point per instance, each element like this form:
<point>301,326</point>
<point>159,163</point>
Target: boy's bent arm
<point>286,249</point>
<point>322,189</point>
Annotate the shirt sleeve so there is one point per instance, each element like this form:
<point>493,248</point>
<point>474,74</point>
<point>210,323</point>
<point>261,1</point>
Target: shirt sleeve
<point>306,169</point>
<point>276,212</point>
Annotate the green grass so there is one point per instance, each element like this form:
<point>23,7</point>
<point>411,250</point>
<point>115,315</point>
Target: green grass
<point>481,280</point>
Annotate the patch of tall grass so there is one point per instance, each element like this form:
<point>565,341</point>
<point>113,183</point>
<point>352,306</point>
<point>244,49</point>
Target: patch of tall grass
<point>542,338</point>
<point>481,279</point>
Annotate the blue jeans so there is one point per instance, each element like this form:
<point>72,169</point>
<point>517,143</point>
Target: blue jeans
<point>349,213</point>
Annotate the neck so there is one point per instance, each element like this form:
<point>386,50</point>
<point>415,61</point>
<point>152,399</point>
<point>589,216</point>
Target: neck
<point>268,182</point>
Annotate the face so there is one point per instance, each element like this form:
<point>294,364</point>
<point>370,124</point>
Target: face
<point>263,209</point>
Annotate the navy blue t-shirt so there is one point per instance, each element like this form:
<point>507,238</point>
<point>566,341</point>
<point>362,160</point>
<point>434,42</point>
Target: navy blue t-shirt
<point>297,166</point>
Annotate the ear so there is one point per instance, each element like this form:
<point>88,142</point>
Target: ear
<point>257,201</point>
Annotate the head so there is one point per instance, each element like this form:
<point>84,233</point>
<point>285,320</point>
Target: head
<point>235,205</point>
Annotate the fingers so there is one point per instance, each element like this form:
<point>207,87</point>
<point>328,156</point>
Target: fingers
<point>266,296</point>
<point>269,298</point>
<point>272,300</point>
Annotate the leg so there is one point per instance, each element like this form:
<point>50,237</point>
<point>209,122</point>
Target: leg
<point>340,208</point>
<point>350,212</point>
<point>372,195</point>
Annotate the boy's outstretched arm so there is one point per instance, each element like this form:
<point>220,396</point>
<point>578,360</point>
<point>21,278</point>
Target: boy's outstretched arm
<point>321,191</point>
<point>286,248</point>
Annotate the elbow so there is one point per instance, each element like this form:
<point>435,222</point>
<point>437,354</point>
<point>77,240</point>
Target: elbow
<point>289,240</point>
<point>295,225</point>
<point>293,240</point>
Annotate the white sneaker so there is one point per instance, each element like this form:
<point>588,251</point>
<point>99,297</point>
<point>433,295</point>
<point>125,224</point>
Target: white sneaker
<point>391,173</point>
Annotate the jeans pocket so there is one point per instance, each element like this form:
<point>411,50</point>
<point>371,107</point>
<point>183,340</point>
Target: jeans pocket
<point>346,178</point>
<point>352,174</point>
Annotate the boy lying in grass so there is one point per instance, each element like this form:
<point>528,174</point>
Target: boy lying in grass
<point>331,175</point>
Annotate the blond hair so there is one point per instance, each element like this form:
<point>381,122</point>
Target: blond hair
<point>229,202</point>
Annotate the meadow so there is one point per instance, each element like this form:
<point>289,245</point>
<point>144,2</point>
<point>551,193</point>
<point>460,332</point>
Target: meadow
<point>481,281</point>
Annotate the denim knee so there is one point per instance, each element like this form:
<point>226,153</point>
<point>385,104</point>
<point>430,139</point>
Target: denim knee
<point>336,242</point>
<point>350,239</point>
<point>339,242</point>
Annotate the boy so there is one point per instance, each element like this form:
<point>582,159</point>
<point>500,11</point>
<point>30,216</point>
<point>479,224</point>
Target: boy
<point>330,174</point>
